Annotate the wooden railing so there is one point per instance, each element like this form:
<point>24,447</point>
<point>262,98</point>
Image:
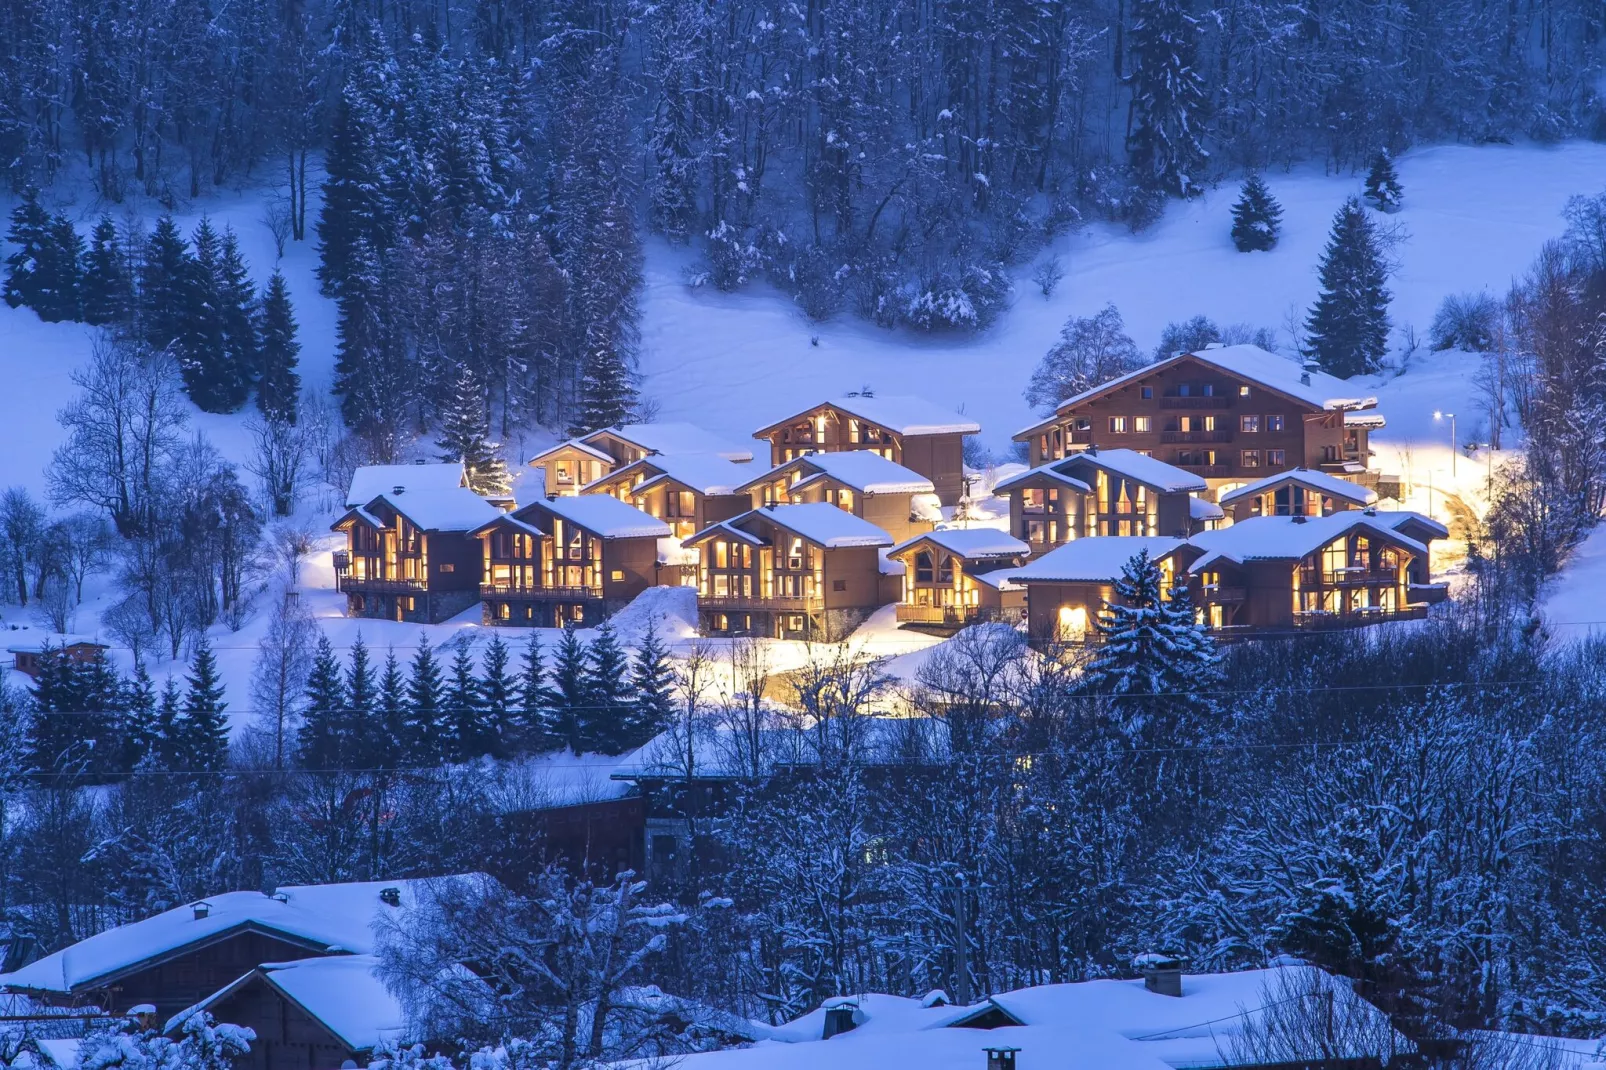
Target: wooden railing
<point>509,592</point>
<point>762,605</point>
<point>1209,471</point>
<point>1353,618</point>
<point>1195,403</point>
<point>908,614</point>
<point>1195,436</point>
<point>368,585</point>
<point>1225,595</point>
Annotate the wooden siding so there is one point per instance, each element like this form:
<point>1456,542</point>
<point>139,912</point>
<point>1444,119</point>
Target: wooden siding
<point>827,429</point>
<point>288,1038</point>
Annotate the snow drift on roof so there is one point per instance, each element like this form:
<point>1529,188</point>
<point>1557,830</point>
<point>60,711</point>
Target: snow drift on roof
<point>1137,466</point>
<point>864,471</point>
<point>1199,509</point>
<point>901,414</point>
<point>1364,419</point>
<point>457,509</point>
<point>370,481</point>
<point>1094,559</point>
<point>1287,538</point>
<point>607,516</point>
<point>573,444</point>
<point>36,642</point>
<point>1250,362</point>
<point>971,542</point>
<point>344,993</point>
<point>1051,470</point>
<point>705,473</point>
<point>322,916</point>
<point>823,524</point>
<point>677,438</point>
<point>1318,481</point>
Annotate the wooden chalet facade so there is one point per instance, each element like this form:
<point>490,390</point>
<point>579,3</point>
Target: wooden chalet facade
<point>370,481</point>
<point>909,431</point>
<point>807,571</point>
<point>1228,414</point>
<point>1298,492</point>
<point>571,466</point>
<point>686,491</point>
<point>954,577</point>
<point>1067,588</point>
<point>1100,492</point>
<point>895,499</point>
<point>27,658</point>
<point>409,556</point>
<point>565,560</point>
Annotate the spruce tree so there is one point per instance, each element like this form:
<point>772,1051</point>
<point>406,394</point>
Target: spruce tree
<point>1383,187</point>
<point>204,729</point>
<point>467,735</point>
<point>465,434</point>
<point>1168,99</point>
<point>169,748</point>
<point>537,728</point>
<point>607,394</point>
<point>653,681</point>
<point>108,287</point>
<point>212,378</point>
<point>237,312</point>
<point>61,273</point>
<point>279,388</point>
<point>164,280</point>
<point>373,386</point>
<point>358,732</point>
<point>354,208</point>
<point>1256,218</point>
<point>390,723</point>
<point>426,698</point>
<point>139,730</point>
<point>1349,324</point>
<point>604,724</point>
<point>30,233</point>
<point>1150,648</point>
<point>499,699</point>
<point>571,690</point>
<point>319,740</point>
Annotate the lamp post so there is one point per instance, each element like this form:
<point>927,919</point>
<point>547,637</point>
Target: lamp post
<point>1451,417</point>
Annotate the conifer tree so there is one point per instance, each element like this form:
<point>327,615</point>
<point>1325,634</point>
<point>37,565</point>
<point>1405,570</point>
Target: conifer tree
<point>1349,324</point>
<point>604,725</point>
<point>390,722</point>
<point>139,729</point>
<point>1149,647</point>
<point>466,733</point>
<point>30,233</point>
<point>212,377</point>
<point>1168,99</point>
<point>427,735</point>
<point>75,704</point>
<point>108,285</point>
<point>537,730</point>
<point>499,698</point>
<point>164,280</point>
<point>354,209</point>
<point>372,384</point>
<point>61,273</point>
<point>279,388</point>
<point>319,740</point>
<point>653,681</point>
<point>203,727</point>
<point>1383,187</point>
<point>169,749</point>
<point>1256,218</point>
<point>607,394</point>
<point>357,731</point>
<point>237,311</point>
<point>571,690</point>
<point>465,434</point>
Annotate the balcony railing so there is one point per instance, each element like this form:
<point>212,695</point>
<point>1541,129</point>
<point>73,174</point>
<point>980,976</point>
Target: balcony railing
<point>510,593</point>
<point>1353,618</point>
<point>750,604</point>
<point>346,583</point>
<point>1195,403</point>
<point>1081,438</point>
<point>935,614</point>
<point>1208,471</point>
<point>1224,595</point>
<point>1195,436</point>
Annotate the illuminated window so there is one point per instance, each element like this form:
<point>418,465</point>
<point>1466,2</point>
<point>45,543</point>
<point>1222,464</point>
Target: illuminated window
<point>1243,391</point>
<point>1249,424</point>
<point>1141,425</point>
<point>1251,458</point>
<point>1274,423</point>
<point>1071,626</point>
<point>1118,425</point>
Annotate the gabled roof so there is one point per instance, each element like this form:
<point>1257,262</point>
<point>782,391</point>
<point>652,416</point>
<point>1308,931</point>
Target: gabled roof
<point>458,509</point>
<point>370,481</point>
<point>819,522</point>
<point>969,543</point>
<point>572,444</point>
<point>319,917</point>
<point>36,643</point>
<point>864,470</point>
<point>1200,509</point>
<point>1137,466</point>
<point>904,415</point>
<point>1314,388</point>
<point>1321,482</point>
<point>605,516</point>
<point>342,993</point>
<point>705,473</point>
<point>1050,471</point>
<point>1094,559</point>
<point>725,528</point>
<point>674,438</point>
<point>1290,538</point>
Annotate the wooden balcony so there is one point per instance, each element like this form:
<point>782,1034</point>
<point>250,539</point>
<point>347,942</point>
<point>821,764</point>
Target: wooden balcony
<point>1195,436</point>
<point>1195,403</point>
<point>739,604</point>
<point>509,593</point>
<point>1209,471</point>
<point>908,614</point>
<point>1080,438</point>
<point>1225,595</point>
<point>346,583</point>
<point>1322,619</point>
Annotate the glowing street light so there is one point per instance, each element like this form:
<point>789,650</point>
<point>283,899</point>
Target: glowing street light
<point>1451,417</point>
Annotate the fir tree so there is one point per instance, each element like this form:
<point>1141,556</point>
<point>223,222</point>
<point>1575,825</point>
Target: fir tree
<point>140,729</point>
<point>108,287</point>
<point>237,312</point>
<point>467,735</point>
<point>653,681</point>
<point>30,233</point>
<point>465,430</point>
<point>1150,648</point>
<point>1168,99</point>
<point>164,280</point>
<point>571,690</point>
<point>1383,187</point>
<point>169,750</point>
<point>319,739</point>
<point>354,209</point>
<point>212,377</point>
<point>390,723</point>
<point>373,388</point>
<point>71,731</point>
<point>358,733</point>
<point>61,273</point>
<point>537,730</point>
<point>279,388</point>
<point>204,730</point>
<point>604,723</point>
<point>499,699</point>
<point>427,733</point>
<point>1349,324</point>
<point>1256,218</point>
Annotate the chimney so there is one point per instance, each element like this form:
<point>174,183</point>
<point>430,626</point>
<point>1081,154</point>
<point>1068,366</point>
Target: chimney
<point>391,897</point>
<point>1001,1058</point>
<point>1304,378</point>
<point>398,489</point>
<point>201,909</point>
<point>839,1017</point>
<point>1298,518</point>
<point>1162,974</point>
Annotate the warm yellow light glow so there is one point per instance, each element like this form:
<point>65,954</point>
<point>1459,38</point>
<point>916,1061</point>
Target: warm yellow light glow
<point>1072,623</point>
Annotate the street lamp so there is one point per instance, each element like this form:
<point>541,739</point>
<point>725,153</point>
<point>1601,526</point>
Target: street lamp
<point>1451,416</point>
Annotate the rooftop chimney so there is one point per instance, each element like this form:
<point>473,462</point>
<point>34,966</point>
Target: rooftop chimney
<point>1299,518</point>
<point>1162,974</point>
<point>1001,1058</point>
<point>398,489</point>
<point>202,909</point>
<point>391,897</point>
<point>839,1017</point>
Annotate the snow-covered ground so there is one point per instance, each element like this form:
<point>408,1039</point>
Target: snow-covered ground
<point>1475,218</point>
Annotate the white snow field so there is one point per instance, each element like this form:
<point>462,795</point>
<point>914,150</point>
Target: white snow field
<point>1475,218</point>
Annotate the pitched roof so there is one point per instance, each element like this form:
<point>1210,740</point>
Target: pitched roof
<point>1137,466</point>
<point>606,516</point>
<point>1200,509</point>
<point>970,542</point>
<point>319,916</point>
<point>1050,471</point>
<point>573,444</point>
<point>1094,559</point>
<point>1249,362</point>
<point>705,473</point>
<point>675,438</point>
<point>1289,538</point>
<point>820,523</point>
<point>370,481</point>
<point>864,470</point>
<point>1318,481</point>
<point>36,642</point>
<point>458,509</point>
<point>902,414</point>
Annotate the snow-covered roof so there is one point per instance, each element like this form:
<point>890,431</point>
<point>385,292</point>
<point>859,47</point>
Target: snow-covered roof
<point>37,641</point>
<point>863,470</point>
<point>673,437</point>
<point>572,444</point>
<point>1364,419</point>
<point>1136,466</point>
<point>606,516</point>
<point>999,579</point>
<point>723,752</point>
<point>1200,509</point>
<point>1315,388</point>
<point>1050,471</point>
<point>1094,559</point>
<point>822,524</point>
<point>1321,482</point>
<point>319,916</point>
<point>1289,538</point>
<point>343,993</point>
<point>705,473</point>
<point>970,542</point>
<point>902,414</point>
<point>370,481</point>
<point>457,509</point>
